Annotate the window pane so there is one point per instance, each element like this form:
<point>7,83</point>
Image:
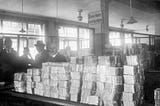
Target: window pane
<point>32,48</point>
<point>128,38</point>
<point>84,44</point>
<point>14,44</point>
<point>73,45</point>
<point>84,33</point>
<point>68,32</point>
<point>23,43</point>
<point>114,38</point>
<point>36,29</point>
<point>13,27</point>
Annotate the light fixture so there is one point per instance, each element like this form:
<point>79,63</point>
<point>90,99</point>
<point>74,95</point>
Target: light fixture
<point>22,29</point>
<point>80,18</point>
<point>147,28</point>
<point>122,24</point>
<point>132,20</point>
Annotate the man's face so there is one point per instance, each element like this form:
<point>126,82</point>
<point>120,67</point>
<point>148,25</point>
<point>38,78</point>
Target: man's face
<point>39,48</point>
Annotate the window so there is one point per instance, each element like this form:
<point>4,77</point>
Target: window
<point>84,36</point>
<point>69,36</point>
<point>36,29</point>
<point>114,38</point>
<point>128,38</point>
<point>12,29</point>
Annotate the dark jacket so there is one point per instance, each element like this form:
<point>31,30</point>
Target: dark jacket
<point>9,63</point>
<point>41,58</point>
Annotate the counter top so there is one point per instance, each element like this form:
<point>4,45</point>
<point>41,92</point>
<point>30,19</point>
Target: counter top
<point>43,99</point>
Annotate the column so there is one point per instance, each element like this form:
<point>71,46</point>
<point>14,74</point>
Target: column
<point>101,37</point>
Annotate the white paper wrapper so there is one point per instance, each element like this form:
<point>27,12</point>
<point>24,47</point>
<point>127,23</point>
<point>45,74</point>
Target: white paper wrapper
<point>19,84</point>
<point>63,84</point>
<point>29,78</point>
<point>37,78</point>
<point>30,84</point>
<point>130,70</point>
<point>39,86</point>
<point>90,69</point>
<point>38,92</point>
<point>132,88</point>
<point>54,76</point>
<point>74,98</point>
<point>89,77</point>
<point>29,72</point>
<point>53,83</point>
<point>129,97</point>
<point>94,100</point>
<point>45,81</point>
<point>29,90</point>
<point>47,92</point>
<point>74,90</point>
<point>75,83</point>
<point>128,79</point>
<point>75,75</point>
<point>36,72</point>
<point>63,76</point>
<point>63,92</point>
<point>54,92</point>
<point>79,68</point>
<point>131,103</point>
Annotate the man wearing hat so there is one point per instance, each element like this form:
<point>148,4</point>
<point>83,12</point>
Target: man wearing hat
<point>8,61</point>
<point>42,56</point>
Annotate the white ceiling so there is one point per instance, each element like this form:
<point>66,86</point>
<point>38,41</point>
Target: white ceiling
<point>67,9</point>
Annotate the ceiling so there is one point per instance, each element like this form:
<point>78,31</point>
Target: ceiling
<point>152,6</point>
<point>67,9</point>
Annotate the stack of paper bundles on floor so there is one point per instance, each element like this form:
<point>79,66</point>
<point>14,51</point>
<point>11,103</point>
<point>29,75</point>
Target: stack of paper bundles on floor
<point>54,82</point>
<point>114,61</point>
<point>37,80</point>
<point>20,82</point>
<point>132,86</point>
<point>110,84</point>
<point>90,60</point>
<point>157,97</point>
<point>75,86</point>
<point>88,82</point>
<point>29,81</point>
<point>63,80</point>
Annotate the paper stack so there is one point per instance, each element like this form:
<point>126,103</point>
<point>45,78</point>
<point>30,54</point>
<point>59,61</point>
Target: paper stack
<point>114,61</point>
<point>132,86</point>
<point>157,97</point>
<point>90,60</point>
<point>75,86</point>
<point>88,82</point>
<point>110,84</point>
<point>63,81</point>
<point>20,82</point>
<point>37,80</point>
<point>29,81</point>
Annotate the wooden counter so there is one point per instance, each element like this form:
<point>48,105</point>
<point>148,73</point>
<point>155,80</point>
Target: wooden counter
<point>21,97</point>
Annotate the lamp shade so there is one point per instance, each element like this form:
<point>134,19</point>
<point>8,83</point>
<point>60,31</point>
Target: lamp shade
<point>22,30</point>
<point>132,20</point>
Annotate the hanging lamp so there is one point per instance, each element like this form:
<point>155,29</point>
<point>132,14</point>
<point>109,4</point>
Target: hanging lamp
<point>132,20</point>
<point>22,29</point>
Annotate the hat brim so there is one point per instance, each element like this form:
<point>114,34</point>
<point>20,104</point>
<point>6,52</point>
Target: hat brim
<point>39,45</point>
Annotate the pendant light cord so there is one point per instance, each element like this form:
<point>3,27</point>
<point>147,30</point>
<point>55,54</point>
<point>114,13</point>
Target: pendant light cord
<point>22,13</point>
<point>131,11</point>
<point>57,9</point>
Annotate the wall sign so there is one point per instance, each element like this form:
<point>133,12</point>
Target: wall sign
<point>95,17</point>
